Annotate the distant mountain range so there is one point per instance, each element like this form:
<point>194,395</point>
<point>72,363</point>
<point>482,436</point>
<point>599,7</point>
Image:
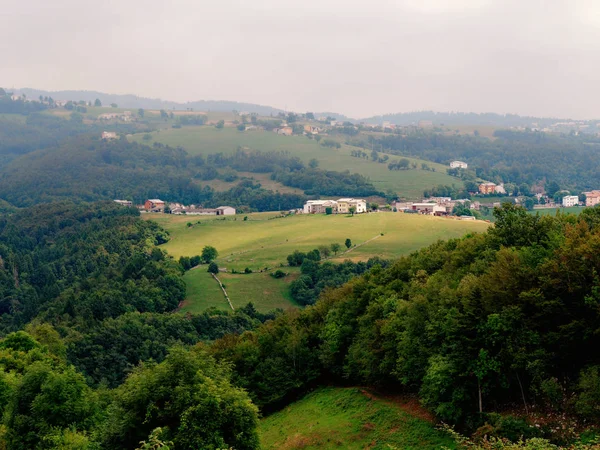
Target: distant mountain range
<point>407,118</point>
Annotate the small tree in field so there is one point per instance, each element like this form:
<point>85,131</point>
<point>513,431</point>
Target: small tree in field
<point>213,268</point>
<point>352,210</point>
<point>335,248</point>
<point>348,243</point>
<point>325,251</point>
<point>209,253</point>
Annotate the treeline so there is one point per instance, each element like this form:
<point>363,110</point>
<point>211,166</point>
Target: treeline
<point>85,168</point>
<point>327,182</point>
<point>514,156</point>
<point>471,325</point>
<point>317,276</point>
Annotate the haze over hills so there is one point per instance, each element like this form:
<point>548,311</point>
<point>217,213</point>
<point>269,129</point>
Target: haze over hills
<point>400,118</point>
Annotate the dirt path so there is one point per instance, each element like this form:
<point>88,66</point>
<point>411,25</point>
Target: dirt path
<point>224,291</point>
<point>407,403</point>
<point>360,245</point>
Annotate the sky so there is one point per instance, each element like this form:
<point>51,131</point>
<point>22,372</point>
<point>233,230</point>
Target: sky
<point>358,58</point>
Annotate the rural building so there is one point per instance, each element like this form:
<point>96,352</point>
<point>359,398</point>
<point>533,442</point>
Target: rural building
<point>286,131</point>
<point>341,206</point>
<point>319,206</point>
<point>592,198</point>
<point>154,205</point>
<point>500,189</point>
<point>108,135</point>
<point>124,202</point>
<point>424,208</point>
<point>458,165</point>
<point>344,205</point>
<point>570,200</point>
<point>225,211</point>
<point>487,188</point>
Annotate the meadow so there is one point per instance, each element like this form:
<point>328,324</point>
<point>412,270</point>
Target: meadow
<point>351,418</point>
<point>554,211</point>
<point>204,140</point>
<point>263,241</point>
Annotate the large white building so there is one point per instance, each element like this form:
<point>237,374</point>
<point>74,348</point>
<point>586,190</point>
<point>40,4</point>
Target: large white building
<point>458,165</point>
<point>570,200</point>
<point>341,206</point>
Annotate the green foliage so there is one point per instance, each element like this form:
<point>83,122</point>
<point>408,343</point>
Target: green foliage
<point>209,253</point>
<point>348,243</point>
<point>213,268</point>
<point>190,396</point>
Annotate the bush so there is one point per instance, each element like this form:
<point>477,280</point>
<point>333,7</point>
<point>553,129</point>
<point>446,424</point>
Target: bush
<point>247,270</point>
<point>278,274</point>
<point>588,400</point>
<point>213,268</point>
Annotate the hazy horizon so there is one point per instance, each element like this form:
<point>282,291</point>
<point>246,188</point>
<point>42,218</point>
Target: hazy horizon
<point>351,58</point>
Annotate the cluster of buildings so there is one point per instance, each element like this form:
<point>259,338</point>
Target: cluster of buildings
<point>157,205</point>
<point>125,116</point>
<point>341,206</point>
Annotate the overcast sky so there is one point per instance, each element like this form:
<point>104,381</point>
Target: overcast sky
<point>358,58</point>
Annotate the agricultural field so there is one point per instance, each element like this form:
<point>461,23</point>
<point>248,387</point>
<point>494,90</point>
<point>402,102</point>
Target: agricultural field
<point>204,140</point>
<point>263,242</point>
<point>351,418</point>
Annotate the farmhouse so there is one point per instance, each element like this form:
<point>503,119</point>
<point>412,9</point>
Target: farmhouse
<point>487,188</point>
<point>124,202</point>
<point>341,206</point>
<point>109,135</point>
<point>592,198</point>
<point>154,205</point>
<point>225,211</point>
<point>458,165</point>
<point>570,200</point>
<point>286,131</point>
<point>320,206</point>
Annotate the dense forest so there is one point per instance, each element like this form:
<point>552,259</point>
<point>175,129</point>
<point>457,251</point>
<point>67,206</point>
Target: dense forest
<point>513,156</point>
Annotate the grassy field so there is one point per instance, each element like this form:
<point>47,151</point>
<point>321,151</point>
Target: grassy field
<point>264,241</point>
<point>266,292</point>
<point>205,140</point>
<point>350,418</point>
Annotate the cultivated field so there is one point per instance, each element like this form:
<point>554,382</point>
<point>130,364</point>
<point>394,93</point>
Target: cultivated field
<point>350,418</point>
<point>205,140</point>
<point>263,242</point>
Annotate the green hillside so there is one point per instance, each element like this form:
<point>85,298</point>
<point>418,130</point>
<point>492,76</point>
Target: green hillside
<point>264,241</point>
<point>350,418</point>
<point>204,140</point>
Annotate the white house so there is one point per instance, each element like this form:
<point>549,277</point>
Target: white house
<point>458,165</point>
<point>225,211</point>
<point>108,135</point>
<point>124,202</point>
<point>570,200</point>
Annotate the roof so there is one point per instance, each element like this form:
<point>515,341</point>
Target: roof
<point>155,200</point>
<point>223,207</point>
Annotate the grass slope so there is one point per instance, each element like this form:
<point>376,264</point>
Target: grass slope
<point>266,292</point>
<point>205,140</point>
<point>332,418</point>
<point>260,243</point>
